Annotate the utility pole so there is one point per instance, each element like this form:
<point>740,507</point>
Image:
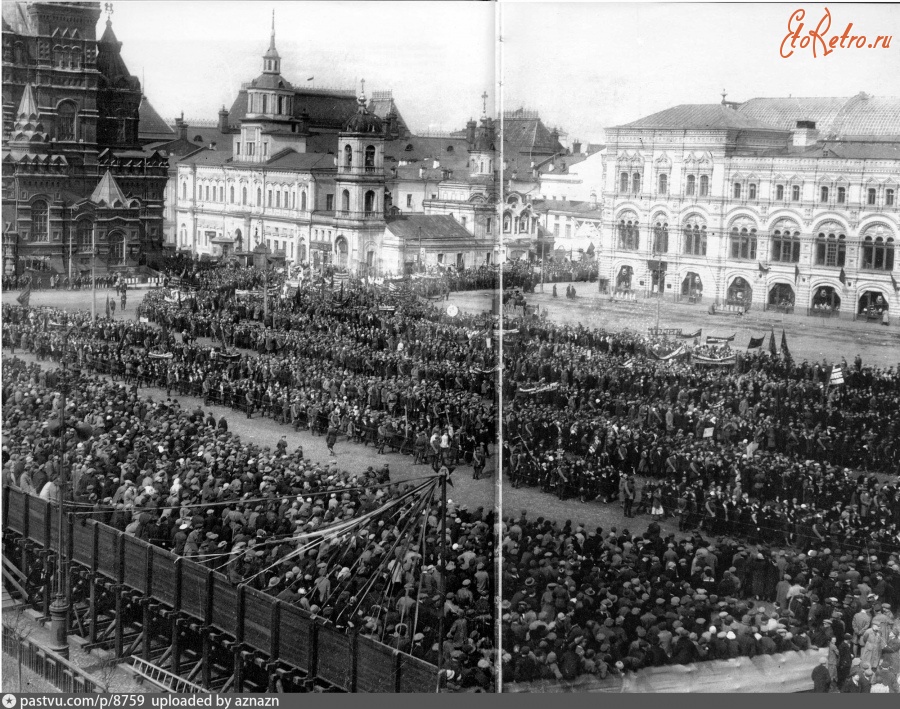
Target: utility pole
<point>59,609</point>
<point>442,561</point>
<point>93,279</point>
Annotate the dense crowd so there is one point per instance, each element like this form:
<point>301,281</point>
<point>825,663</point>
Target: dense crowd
<point>526,275</point>
<point>402,376</point>
<point>764,452</point>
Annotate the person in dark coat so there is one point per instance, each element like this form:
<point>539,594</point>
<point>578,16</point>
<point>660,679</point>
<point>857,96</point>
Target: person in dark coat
<point>820,677</point>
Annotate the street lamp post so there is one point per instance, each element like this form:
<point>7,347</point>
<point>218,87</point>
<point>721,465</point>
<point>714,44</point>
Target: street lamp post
<point>59,608</point>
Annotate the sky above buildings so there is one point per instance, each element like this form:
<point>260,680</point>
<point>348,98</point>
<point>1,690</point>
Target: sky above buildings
<point>583,66</point>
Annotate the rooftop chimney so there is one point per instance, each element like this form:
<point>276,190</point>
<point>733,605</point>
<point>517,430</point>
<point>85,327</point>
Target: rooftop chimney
<point>223,120</point>
<point>805,134</point>
<point>576,148</point>
<point>181,127</point>
<point>470,133</point>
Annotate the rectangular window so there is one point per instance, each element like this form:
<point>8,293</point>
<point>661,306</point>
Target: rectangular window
<point>278,199</point>
<point>842,195</point>
<point>795,193</point>
<point>889,198</point>
<point>823,194</point>
<point>779,191</point>
<point>463,220</point>
<point>871,198</point>
<point>237,147</point>
<point>691,185</point>
<point>440,258</point>
<point>568,231</point>
<point>269,243</point>
<point>555,229</point>
<point>623,182</point>
<point>409,201</point>
<point>207,193</point>
<point>752,189</point>
<point>737,190</point>
<point>329,202</point>
<point>265,148</point>
<point>704,185</point>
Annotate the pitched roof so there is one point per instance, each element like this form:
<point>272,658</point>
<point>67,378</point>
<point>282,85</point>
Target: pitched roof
<point>567,206</point>
<point>698,116</point>
<point>860,115</point>
<point>434,229</point>
<point>107,192</point>
<point>27,106</point>
<point>151,126</point>
<point>525,132</point>
<point>205,156</point>
<point>292,160</point>
<point>326,108</point>
<point>451,152</point>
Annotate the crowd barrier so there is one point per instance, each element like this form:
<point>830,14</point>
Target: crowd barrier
<point>46,664</point>
<point>783,672</point>
<point>256,620</point>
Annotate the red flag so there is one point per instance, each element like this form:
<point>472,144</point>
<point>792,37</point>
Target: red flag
<point>772,349</point>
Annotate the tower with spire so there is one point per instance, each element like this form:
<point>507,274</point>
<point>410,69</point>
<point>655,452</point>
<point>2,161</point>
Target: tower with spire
<point>270,125</point>
<point>482,148</point>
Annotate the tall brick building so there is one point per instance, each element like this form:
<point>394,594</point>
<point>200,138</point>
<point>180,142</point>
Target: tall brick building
<point>74,171</point>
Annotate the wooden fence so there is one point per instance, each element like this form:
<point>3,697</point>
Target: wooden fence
<point>256,620</point>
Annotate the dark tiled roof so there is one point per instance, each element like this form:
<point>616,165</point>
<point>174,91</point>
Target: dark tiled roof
<point>561,164</point>
<point>292,160</point>
<point>855,150</point>
<point>175,148</point>
<point>702,116</point>
<point>205,156</point>
<point>326,109</point>
<point>151,126</point>
<point>453,153</point>
<point>526,133</point>
<point>435,228</point>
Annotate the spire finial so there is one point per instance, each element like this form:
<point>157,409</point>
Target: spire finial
<point>723,96</point>
<point>484,98</point>
<point>108,6</point>
<point>272,38</point>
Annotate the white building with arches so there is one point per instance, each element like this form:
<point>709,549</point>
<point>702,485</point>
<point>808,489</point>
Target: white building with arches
<point>766,203</point>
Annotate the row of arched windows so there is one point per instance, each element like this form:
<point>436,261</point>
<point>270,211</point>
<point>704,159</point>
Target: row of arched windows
<point>630,183</point>
<point>278,198</point>
<point>830,245</point>
<point>368,157</point>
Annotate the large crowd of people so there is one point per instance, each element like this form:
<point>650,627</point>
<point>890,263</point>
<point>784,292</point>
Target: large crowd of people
<point>794,479</point>
<point>386,368</point>
<point>783,486</point>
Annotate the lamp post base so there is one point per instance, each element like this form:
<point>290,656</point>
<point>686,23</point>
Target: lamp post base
<point>59,620</point>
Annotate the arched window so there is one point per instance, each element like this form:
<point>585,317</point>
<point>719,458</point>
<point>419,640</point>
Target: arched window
<point>751,190</point>
<point>737,190</point>
<point>303,200</point>
<point>691,185</point>
<point>663,184</point>
<point>231,194</point>
<point>285,193</point>
<point>259,197</point>
<point>265,104</point>
<point>184,190</point>
<point>878,250</point>
<point>65,121</point>
<point>345,201</point>
<point>507,224</point>
<point>370,158</point>
<point>831,246</point>
<point>704,185</point>
<point>636,183</point>
<point>785,242</point>
<point>269,198</point>
<point>823,194</point>
<point>370,203</point>
<point>84,230</point>
<point>660,237</point>
<point>348,156</point>
<point>695,238</point>
<point>743,242</point>
<point>629,234</point>
<point>244,195</point>
<point>623,182</point>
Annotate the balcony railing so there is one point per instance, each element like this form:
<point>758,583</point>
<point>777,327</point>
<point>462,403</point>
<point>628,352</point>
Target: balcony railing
<point>349,214</point>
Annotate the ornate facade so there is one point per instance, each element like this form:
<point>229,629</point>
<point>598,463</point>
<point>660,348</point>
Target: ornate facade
<point>766,203</point>
<point>71,121</point>
<point>318,183</point>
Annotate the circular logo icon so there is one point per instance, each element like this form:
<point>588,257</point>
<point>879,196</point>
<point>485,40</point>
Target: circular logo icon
<point>9,700</point>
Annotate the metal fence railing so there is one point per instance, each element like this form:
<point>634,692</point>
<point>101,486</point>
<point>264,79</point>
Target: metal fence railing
<point>62,674</point>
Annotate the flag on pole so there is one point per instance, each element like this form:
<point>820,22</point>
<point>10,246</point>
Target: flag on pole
<point>796,273</point>
<point>772,349</point>
<point>784,346</point>
<point>843,277</point>
<point>691,335</point>
<point>25,296</point>
<point>756,342</point>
